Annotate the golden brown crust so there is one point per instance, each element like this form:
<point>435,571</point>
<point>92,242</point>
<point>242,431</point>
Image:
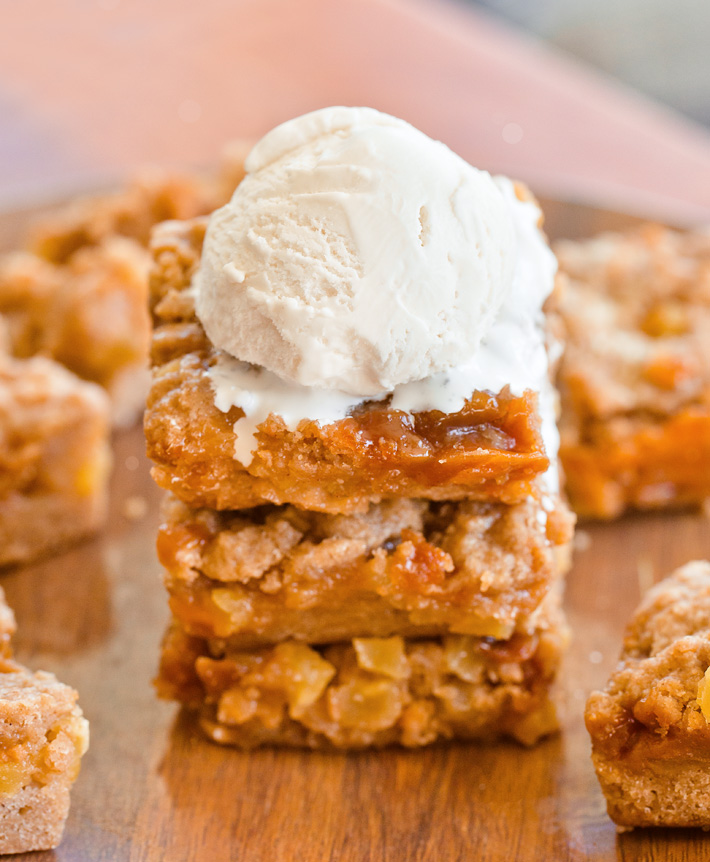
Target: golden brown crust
<point>635,377</point>
<point>490,450</point>
<point>43,736</point>
<point>407,567</point>
<point>650,726</point>
<point>369,692</point>
<point>54,458</point>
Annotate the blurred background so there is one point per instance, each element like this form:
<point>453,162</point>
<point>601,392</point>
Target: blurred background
<point>603,101</point>
<point>660,47</point>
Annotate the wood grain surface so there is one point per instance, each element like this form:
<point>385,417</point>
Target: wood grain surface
<point>152,789</point>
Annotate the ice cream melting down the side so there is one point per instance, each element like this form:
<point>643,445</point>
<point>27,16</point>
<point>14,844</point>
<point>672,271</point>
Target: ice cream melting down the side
<point>360,259</point>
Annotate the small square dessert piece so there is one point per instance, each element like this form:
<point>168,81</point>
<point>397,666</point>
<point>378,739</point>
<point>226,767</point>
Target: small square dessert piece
<point>406,567</point>
<point>43,736</point>
<point>54,458</point>
<point>635,377</point>
<point>369,692</point>
<point>650,726</point>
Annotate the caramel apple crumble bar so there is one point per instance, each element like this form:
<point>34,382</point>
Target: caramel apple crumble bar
<point>406,567</point>
<point>78,293</point>
<point>43,736</point>
<point>88,314</point>
<point>368,691</point>
<point>635,377</point>
<point>492,449</point>
<point>650,726</point>
<point>55,457</point>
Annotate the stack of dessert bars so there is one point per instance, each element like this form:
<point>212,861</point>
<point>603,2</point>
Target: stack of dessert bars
<point>387,578</point>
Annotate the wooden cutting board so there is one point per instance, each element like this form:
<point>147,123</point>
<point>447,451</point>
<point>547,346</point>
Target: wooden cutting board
<point>152,789</point>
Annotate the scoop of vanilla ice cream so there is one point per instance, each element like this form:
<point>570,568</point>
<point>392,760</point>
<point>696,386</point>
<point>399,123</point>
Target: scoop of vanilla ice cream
<point>357,254</point>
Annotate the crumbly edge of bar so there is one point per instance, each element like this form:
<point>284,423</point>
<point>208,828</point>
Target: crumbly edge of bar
<point>471,568</point>
<point>34,818</point>
<point>33,528</point>
<point>663,795</point>
<point>650,726</point>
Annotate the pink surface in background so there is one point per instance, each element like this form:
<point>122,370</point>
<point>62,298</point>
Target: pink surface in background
<point>90,90</point>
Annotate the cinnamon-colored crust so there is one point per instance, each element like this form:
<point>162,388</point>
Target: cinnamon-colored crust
<point>650,726</point>
<point>43,736</point>
<point>369,692</point>
<point>635,376</point>
<point>54,458</point>
<point>407,567</point>
<point>490,450</point>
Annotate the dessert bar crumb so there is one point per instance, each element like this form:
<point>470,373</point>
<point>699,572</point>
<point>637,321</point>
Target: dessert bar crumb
<point>43,736</point>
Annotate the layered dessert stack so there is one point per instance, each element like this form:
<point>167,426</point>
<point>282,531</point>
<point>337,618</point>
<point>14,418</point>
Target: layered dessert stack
<point>352,414</point>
